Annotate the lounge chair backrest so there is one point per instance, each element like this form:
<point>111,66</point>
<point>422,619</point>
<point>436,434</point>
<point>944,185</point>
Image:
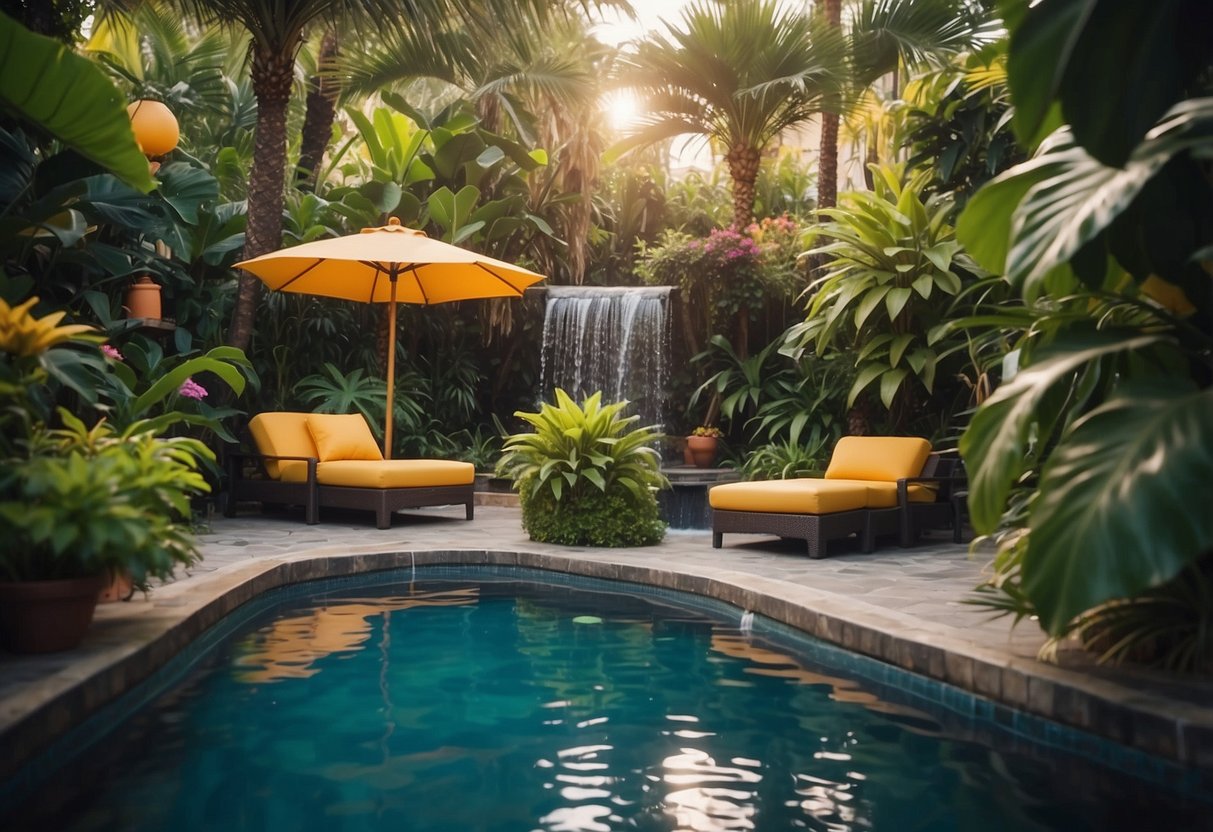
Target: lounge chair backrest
<point>878,458</point>
<point>281,434</point>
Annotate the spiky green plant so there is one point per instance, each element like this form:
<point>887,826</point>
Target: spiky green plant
<point>584,476</point>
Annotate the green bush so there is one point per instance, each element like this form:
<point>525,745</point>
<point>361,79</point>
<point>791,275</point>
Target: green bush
<point>584,477</point>
<point>594,519</point>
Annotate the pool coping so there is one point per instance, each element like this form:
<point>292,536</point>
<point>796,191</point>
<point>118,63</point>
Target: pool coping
<point>131,647</point>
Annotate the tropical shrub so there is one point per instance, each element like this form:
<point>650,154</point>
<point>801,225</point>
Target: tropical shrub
<point>141,384</point>
<point>730,281</point>
<point>584,477</point>
<point>894,269</point>
<point>787,459</point>
<point>84,501</point>
<point>1092,466</point>
<point>76,501</point>
<point>775,397</point>
<point>959,130</point>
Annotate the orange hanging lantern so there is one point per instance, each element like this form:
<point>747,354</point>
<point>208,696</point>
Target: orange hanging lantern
<point>155,127</point>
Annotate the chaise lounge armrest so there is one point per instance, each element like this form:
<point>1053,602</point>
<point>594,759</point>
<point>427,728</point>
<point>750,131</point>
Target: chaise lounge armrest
<point>235,458</point>
<point>270,489</point>
<point>916,515</point>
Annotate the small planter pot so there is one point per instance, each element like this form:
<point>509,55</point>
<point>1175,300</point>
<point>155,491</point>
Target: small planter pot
<point>47,616</point>
<point>143,299</point>
<point>702,450</point>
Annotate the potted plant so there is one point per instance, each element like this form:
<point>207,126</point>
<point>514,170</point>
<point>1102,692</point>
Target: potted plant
<point>703,443</point>
<point>78,503</point>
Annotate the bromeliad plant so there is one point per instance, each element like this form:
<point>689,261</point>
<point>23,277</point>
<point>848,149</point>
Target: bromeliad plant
<point>585,478</point>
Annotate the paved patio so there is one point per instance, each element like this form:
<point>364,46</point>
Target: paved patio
<point>904,606</point>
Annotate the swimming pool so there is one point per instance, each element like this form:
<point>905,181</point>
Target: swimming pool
<point>461,699</point>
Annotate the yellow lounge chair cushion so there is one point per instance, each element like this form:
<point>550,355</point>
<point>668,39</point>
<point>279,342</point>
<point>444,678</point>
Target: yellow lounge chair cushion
<point>389,473</point>
<point>796,496</point>
<point>881,458</point>
<point>342,436</point>
<point>811,496</point>
<point>283,434</point>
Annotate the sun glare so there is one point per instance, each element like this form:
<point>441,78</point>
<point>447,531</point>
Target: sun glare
<point>622,109</point>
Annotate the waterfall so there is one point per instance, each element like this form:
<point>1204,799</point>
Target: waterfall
<point>613,339</point>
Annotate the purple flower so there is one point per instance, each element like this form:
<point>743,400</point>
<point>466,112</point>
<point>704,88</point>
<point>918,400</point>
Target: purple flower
<point>111,352</point>
<point>192,389</point>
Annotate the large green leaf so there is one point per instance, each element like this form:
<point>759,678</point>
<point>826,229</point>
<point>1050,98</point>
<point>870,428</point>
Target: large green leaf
<point>1045,210</point>
<point>996,442</point>
<point>185,188</point>
<point>1041,47</point>
<point>47,84</point>
<point>1114,66</point>
<point>1124,501</point>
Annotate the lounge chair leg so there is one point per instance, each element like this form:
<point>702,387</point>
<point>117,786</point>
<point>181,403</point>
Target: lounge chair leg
<point>816,546</point>
<point>311,511</point>
<point>383,518</point>
<point>471,510</point>
<point>717,539</point>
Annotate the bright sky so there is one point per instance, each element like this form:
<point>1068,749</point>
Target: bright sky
<point>617,28</point>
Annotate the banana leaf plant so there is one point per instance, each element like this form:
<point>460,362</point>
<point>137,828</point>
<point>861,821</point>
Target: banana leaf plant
<point>1100,451</point>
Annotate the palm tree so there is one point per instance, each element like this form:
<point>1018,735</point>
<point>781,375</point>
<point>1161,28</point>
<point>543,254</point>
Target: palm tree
<point>737,74</point>
<point>278,29</point>
<point>882,36</point>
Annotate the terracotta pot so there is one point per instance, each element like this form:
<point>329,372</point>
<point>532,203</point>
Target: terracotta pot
<point>47,616</point>
<point>143,299</point>
<point>119,587</point>
<point>702,450</point>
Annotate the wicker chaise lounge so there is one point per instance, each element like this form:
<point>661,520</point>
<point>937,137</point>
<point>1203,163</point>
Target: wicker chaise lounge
<point>872,487</point>
<point>332,461</point>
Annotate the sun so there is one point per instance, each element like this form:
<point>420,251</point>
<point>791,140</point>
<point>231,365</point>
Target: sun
<point>622,109</point>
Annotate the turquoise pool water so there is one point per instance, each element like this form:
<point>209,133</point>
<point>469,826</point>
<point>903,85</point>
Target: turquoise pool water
<point>452,703</point>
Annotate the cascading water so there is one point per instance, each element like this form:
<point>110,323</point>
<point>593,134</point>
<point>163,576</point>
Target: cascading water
<point>613,339</point>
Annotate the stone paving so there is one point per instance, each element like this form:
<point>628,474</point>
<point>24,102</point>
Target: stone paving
<point>905,606</point>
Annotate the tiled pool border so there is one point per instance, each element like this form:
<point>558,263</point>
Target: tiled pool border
<point>1140,732</point>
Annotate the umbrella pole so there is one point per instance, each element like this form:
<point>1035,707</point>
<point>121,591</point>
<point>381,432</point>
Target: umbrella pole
<point>391,372</point>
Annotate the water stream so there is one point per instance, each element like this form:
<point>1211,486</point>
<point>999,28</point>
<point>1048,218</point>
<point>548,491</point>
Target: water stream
<point>613,339</point>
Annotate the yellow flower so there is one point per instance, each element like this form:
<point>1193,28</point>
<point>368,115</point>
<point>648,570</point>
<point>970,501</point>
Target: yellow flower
<point>23,334</point>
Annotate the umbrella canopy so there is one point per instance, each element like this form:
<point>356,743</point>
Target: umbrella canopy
<point>391,264</point>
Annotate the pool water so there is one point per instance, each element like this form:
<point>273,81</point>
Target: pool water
<point>495,704</point>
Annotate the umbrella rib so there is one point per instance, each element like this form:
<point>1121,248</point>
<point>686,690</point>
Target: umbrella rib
<point>413,268</point>
<point>301,274</point>
<point>374,283</point>
<point>499,277</point>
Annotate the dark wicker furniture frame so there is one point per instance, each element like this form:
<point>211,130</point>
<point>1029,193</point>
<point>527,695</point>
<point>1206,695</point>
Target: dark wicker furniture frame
<point>312,496</point>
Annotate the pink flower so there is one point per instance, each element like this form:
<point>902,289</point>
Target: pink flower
<point>111,352</point>
<point>192,389</point>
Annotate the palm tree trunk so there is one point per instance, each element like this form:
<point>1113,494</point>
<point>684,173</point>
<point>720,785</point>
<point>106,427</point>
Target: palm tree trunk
<point>320,110</point>
<point>272,75</point>
<point>827,160</point>
<point>743,162</point>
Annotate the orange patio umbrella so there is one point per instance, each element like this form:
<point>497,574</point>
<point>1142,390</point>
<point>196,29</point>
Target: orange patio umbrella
<point>390,264</point>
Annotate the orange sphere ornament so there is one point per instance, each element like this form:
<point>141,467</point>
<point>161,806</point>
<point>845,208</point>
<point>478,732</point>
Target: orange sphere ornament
<point>155,127</point>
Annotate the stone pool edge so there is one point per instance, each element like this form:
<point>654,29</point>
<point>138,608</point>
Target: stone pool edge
<point>135,645</point>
